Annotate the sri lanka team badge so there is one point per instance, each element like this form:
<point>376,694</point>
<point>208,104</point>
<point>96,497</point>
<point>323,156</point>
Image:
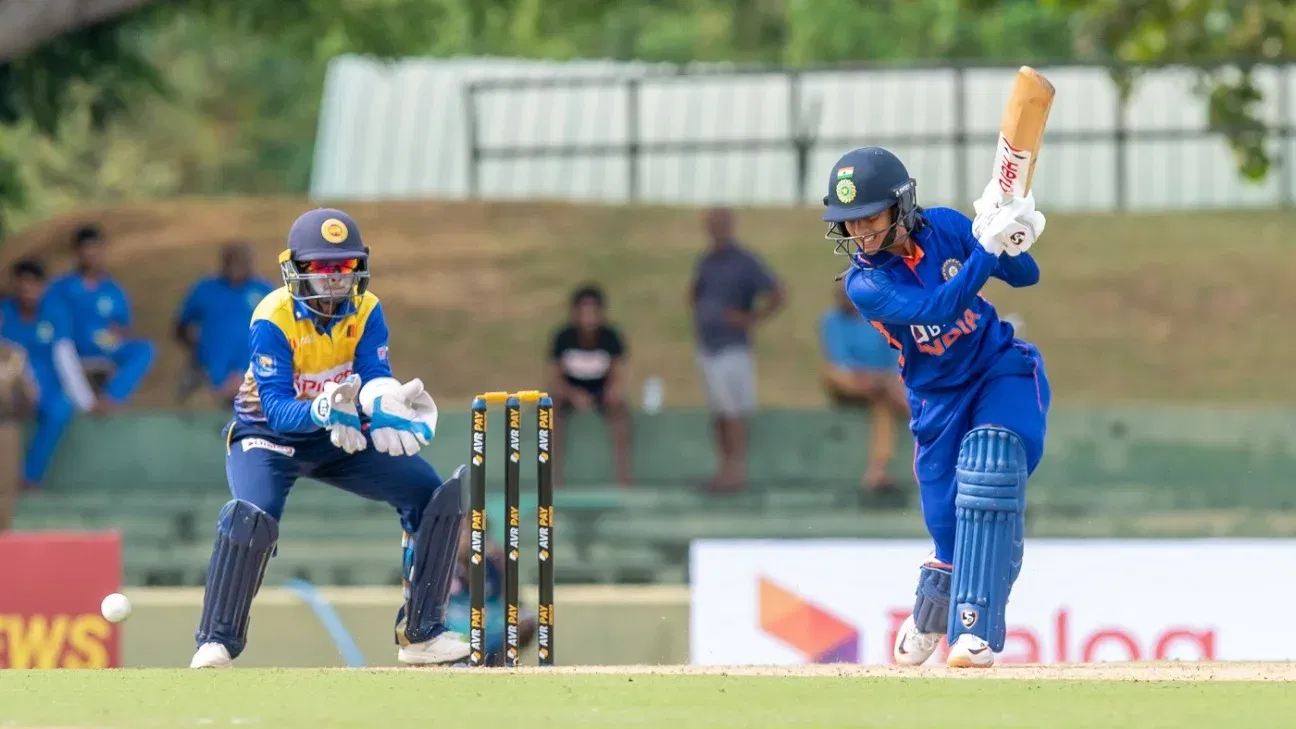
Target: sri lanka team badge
<point>950,268</point>
<point>334,231</point>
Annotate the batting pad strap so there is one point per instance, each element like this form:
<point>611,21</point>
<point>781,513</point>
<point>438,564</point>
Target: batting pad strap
<point>989,504</point>
<point>430,561</point>
<point>245,538</point>
<point>374,389</point>
<point>931,607</point>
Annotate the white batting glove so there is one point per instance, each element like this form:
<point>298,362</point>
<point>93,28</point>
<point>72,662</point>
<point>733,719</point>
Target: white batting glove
<point>335,410</point>
<point>991,200</point>
<point>1010,227</point>
<point>403,420</point>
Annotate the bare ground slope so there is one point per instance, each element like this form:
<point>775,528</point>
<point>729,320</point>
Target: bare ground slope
<point>1135,307</point>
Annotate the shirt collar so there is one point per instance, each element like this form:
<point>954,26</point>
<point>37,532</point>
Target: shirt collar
<point>300,311</point>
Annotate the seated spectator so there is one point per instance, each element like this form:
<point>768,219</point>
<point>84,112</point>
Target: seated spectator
<point>458,611</point>
<point>213,323</point>
<point>862,370</point>
<point>39,324</point>
<point>101,321</point>
<point>587,359</point>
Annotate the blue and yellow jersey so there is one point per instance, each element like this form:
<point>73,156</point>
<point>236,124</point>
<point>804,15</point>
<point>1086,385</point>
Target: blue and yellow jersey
<point>929,306</point>
<point>293,355</point>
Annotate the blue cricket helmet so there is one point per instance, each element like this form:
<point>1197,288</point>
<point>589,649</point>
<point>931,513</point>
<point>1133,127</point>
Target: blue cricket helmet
<point>863,183</point>
<point>325,236</point>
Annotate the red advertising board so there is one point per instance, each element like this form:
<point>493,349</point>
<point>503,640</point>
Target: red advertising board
<point>51,584</point>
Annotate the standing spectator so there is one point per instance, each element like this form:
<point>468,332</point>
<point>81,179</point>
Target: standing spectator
<point>40,325</point>
<point>587,366</point>
<point>861,369</point>
<point>101,320</point>
<point>213,322</point>
<point>732,291</point>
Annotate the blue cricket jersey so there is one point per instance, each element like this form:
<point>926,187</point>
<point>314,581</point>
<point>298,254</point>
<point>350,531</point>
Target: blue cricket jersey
<point>222,312</point>
<point>929,305</point>
<point>292,357</point>
<point>37,336</point>
<point>94,310</point>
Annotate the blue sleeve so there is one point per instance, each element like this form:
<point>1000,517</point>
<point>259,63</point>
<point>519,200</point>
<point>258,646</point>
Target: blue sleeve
<point>60,318</point>
<point>877,298</point>
<point>832,341</point>
<point>272,368</point>
<point>191,309</point>
<point>371,361</point>
<point>1018,271</point>
<point>57,291</point>
<point>121,312</point>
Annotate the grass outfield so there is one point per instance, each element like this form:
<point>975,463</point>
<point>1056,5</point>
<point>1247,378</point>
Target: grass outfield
<point>1109,696</point>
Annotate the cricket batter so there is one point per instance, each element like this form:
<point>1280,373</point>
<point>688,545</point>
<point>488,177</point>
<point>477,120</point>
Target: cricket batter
<point>979,396</point>
<point>319,401</point>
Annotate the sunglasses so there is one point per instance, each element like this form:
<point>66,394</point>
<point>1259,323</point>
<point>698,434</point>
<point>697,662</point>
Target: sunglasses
<point>350,265</point>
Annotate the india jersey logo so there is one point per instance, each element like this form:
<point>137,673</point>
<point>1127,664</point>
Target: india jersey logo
<point>936,340</point>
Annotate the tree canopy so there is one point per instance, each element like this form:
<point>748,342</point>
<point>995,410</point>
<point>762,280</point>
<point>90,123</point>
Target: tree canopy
<point>147,98</point>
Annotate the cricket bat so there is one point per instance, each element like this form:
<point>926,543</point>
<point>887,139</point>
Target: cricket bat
<point>1021,132</point>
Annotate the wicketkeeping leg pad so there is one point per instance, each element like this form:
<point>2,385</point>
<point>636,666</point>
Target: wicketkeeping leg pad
<point>430,555</point>
<point>989,505</point>
<point>245,538</point>
<point>931,605</point>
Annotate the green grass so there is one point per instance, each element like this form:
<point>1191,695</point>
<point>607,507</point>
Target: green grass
<point>1189,307</point>
<point>323,699</point>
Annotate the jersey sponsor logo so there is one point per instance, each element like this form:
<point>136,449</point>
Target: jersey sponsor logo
<point>263,444</point>
<point>309,384</point>
<point>936,340</point>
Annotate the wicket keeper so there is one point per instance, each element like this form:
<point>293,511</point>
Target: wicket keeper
<point>979,396</point>
<point>319,401</point>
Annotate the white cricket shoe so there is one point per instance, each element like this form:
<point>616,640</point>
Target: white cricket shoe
<point>448,647</point>
<point>970,651</point>
<point>913,648</point>
<point>212,655</point>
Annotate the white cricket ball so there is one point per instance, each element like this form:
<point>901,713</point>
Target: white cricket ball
<point>115,608</point>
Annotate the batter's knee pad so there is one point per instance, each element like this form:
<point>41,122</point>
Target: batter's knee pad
<point>931,606</point>
<point>429,562</point>
<point>988,538</point>
<point>245,538</point>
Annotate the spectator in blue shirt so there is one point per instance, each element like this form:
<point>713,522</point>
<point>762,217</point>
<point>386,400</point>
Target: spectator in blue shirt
<point>101,320</point>
<point>862,370</point>
<point>40,325</point>
<point>213,322</point>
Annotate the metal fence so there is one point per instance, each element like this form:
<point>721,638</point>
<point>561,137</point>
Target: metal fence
<point>608,132</point>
